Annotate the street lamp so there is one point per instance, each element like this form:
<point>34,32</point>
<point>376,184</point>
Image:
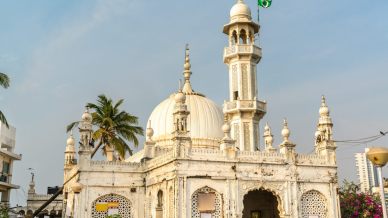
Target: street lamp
<point>379,157</point>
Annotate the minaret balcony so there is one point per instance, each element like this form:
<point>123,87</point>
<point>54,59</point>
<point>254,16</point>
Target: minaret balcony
<point>238,50</point>
<point>245,105</point>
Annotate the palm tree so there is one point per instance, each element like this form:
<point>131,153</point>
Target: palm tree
<point>115,127</point>
<point>4,82</point>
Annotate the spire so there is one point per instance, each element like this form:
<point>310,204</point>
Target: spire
<point>268,139</point>
<point>187,72</point>
<point>31,190</point>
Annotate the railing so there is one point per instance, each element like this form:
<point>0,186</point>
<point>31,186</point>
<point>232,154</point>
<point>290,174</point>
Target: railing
<point>242,49</point>
<point>246,104</point>
<point>260,156</point>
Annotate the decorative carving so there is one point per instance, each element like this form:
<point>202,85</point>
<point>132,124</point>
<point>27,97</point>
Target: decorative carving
<point>124,206</point>
<point>244,78</point>
<point>313,203</point>
<point>217,213</point>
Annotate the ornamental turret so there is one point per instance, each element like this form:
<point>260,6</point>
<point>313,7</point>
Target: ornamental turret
<point>31,189</point>
<point>86,141</point>
<point>268,139</point>
<point>324,144</point>
<point>244,110</point>
<point>287,147</point>
<point>180,115</point>
<point>70,159</point>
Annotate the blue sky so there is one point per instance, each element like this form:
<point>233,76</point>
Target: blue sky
<point>62,54</point>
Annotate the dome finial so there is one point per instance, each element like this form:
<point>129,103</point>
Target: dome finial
<point>324,110</point>
<point>187,71</point>
<point>149,131</point>
<point>285,130</point>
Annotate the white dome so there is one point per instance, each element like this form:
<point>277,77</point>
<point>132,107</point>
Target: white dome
<point>204,121</point>
<point>240,9</point>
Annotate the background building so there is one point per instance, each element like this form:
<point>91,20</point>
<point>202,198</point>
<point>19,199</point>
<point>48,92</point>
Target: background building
<point>367,173</point>
<point>7,156</point>
<point>34,201</point>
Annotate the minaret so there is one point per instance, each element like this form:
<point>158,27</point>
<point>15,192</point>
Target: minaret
<point>181,136</point>
<point>324,144</point>
<point>244,110</point>
<point>268,139</point>
<point>31,189</point>
<point>85,132</point>
<point>70,159</point>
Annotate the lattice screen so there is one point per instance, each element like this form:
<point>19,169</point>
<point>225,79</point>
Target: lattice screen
<point>194,203</point>
<point>124,206</point>
<point>313,203</point>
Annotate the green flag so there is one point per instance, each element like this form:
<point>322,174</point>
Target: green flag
<point>265,3</point>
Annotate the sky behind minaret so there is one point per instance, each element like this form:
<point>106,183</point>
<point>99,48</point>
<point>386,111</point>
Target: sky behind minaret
<point>62,54</point>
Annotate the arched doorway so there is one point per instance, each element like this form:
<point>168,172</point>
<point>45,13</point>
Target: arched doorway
<point>260,204</point>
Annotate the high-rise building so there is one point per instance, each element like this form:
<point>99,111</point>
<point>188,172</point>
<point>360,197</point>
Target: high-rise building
<point>367,173</point>
<point>7,156</point>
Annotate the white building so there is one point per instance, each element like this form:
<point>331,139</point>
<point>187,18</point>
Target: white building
<point>367,172</point>
<point>7,156</point>
<point>35,201</point>
<point>200,161</point>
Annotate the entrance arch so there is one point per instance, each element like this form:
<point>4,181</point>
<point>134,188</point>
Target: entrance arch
<point>260,204</point>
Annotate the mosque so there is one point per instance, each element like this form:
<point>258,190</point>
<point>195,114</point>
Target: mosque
<point>202,161</point>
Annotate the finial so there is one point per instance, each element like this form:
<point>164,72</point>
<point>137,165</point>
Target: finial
<point>149,131</point>
<point>324,110</point>
<point>240,1</point>
<point>323,101</point>
<point>285,130</point>
<point>187,71</point>
<point>180,85</point>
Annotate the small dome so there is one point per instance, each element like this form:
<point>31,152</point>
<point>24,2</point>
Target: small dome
<point>324,110</point>
<point>70,141</point>
<point>240,9</point>
<point>205,120</point>
<point>77,187</point>
<point>86,116</point>
<point>226,128</point>
<point>180,97</point>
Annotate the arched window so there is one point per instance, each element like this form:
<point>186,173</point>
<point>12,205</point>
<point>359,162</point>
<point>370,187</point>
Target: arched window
<point>160,198</point>
<point>111,204</point>
<point>206,202</point>
<point>251,38</point>
<point>159,206</point>
<point>243,37</point>
<point>313,204</point>
<point>234,37</point>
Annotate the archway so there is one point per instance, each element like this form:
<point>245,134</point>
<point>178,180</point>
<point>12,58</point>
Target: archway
<point>260,204</point>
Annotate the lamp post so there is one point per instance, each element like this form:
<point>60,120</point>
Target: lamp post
<point>379,157</point>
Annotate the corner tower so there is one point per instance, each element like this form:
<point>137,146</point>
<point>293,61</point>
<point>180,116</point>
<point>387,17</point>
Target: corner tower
<point>243,110</point>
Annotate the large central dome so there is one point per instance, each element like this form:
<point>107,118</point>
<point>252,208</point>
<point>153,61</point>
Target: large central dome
<point>204,121</point>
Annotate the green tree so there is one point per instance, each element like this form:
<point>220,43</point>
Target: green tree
<point>4,82</point>
<point>115,127</point>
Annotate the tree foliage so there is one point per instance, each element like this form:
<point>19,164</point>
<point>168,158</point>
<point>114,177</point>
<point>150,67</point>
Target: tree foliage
<point>115,127</point>
<point>356,204</point>
<point>4,82</point>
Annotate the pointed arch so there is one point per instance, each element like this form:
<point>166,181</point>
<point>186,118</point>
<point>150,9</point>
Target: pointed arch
<point>243,37</point>
<point>209,195</point>
<point>274,189</point>
<point>234,37</point>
